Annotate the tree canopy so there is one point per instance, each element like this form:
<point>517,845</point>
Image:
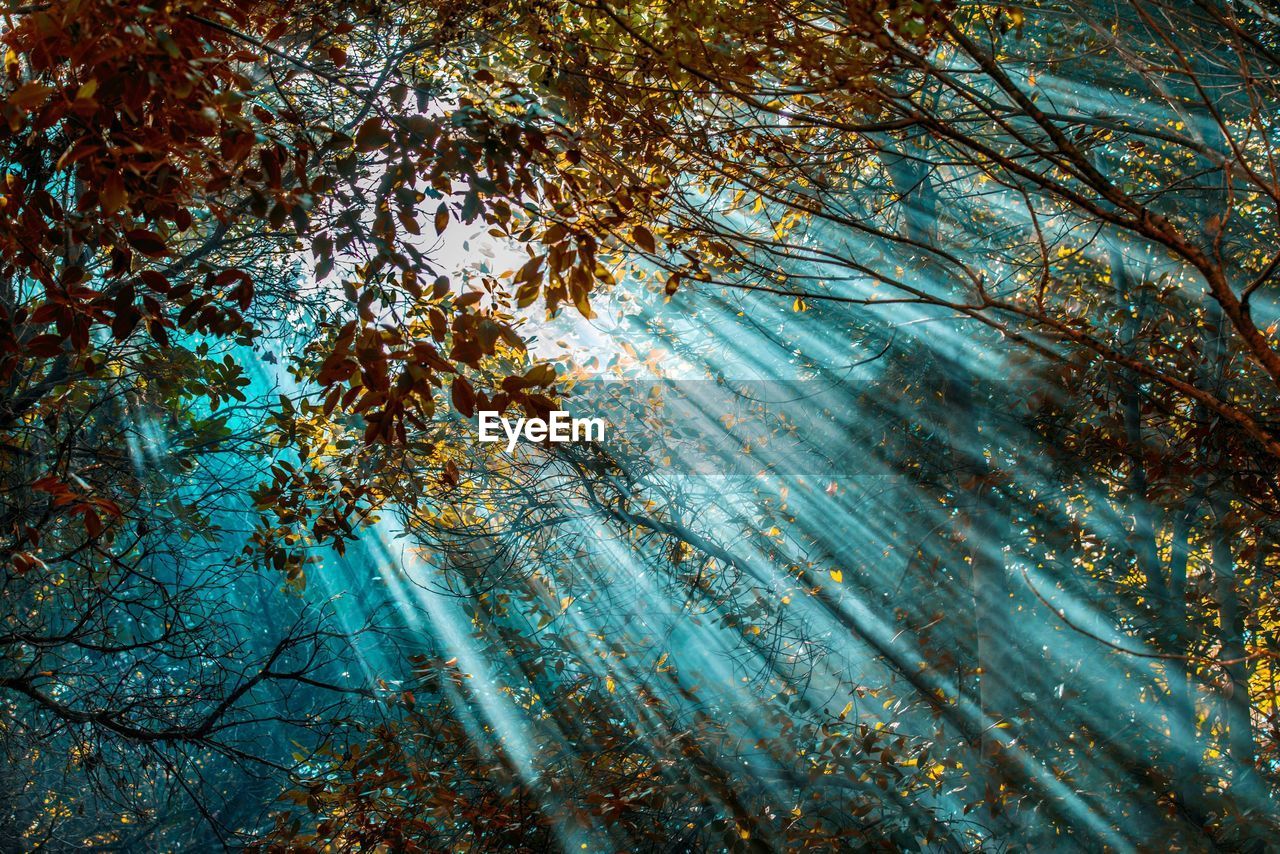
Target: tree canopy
<point>937,344</point>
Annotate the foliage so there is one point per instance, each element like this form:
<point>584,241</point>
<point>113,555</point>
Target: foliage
<point>240,368</point>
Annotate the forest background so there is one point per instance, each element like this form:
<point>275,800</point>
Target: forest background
<point>940,345</point>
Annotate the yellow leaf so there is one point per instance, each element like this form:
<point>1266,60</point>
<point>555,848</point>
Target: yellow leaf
<point>610,684</point>
<point>837,576</point>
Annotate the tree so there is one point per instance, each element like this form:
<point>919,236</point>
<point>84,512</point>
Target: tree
<point>945,197</point>
<point>976,176</point>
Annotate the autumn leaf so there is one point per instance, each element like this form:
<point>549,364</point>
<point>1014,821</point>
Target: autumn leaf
<point>112,194</point>
<point>146,242</point>
<point>372,136</point>
<point>464,398</point>
<point>643,238</point>
<point>29,96</point>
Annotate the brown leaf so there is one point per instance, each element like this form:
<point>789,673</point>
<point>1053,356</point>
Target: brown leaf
<point>464,398</point>
<point>146,242</point>
<point>29,96</point>
<point>372,136</point>
<point>113,194</point>
<point>643,238</point>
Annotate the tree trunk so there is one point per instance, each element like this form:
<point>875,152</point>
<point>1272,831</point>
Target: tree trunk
<point>1235,700</point>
